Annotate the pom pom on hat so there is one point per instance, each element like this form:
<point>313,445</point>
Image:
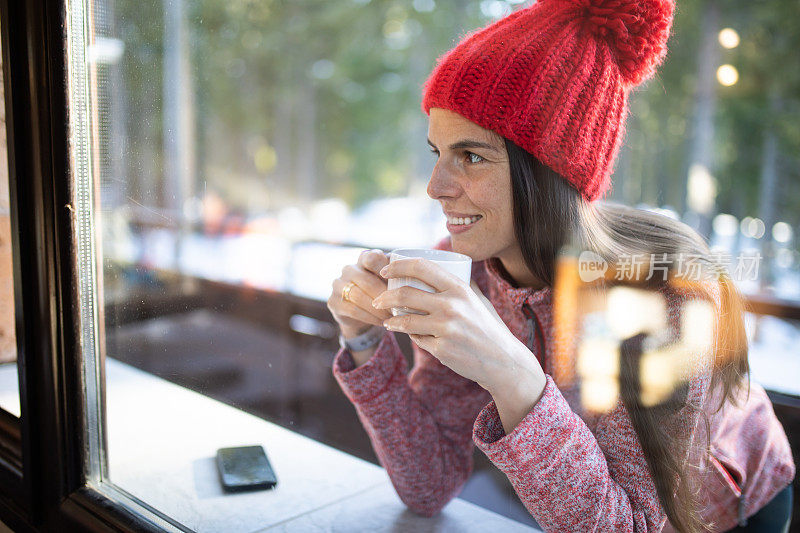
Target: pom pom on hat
<point>636,30</point>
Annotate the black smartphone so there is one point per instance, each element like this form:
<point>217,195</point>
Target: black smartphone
<point>245,468</point>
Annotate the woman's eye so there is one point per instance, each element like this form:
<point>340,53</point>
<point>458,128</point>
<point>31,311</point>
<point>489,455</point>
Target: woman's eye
<point>473,157</point>
<point>434,151</point>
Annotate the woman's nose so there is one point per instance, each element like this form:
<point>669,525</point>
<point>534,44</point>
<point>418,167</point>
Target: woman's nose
<point>442,183</point>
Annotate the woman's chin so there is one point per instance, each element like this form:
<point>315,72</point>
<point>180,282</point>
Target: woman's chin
<point>464,248</point>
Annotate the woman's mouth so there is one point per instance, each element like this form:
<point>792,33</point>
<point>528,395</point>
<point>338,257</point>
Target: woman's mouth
<point>460,225</point>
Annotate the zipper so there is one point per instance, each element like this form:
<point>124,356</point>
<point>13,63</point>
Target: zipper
<point>535,331</point>
<point>726,473</point>
<point>742,519</point>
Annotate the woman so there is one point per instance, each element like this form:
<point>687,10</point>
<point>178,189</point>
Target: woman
<point>526,117</point>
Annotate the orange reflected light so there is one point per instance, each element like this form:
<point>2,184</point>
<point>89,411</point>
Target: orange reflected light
<point>592,319</point>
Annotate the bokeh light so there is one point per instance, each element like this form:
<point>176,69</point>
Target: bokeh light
<point>727,75</point>
<point>729,38</point>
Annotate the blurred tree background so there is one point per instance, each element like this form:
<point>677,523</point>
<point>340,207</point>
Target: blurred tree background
<point>305,99</point>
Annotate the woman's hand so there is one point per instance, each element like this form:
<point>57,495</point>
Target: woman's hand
<point>461,328</point>
<point>356,315</point>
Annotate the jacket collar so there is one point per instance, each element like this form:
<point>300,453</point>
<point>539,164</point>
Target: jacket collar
<point>517,295</point>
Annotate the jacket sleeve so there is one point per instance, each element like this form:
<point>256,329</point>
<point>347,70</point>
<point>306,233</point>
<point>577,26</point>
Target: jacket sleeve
<point>420,424</point>
<point>572,479</point>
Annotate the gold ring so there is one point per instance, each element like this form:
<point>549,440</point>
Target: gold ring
<point>346,291</point>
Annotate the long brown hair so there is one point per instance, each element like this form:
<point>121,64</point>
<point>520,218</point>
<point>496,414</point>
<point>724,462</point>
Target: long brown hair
<point>548,214</point>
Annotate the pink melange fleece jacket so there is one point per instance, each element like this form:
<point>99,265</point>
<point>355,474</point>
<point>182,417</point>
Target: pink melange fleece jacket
<point>573,471</point>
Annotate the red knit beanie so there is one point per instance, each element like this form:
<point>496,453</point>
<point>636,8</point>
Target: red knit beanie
<point>554,79</point>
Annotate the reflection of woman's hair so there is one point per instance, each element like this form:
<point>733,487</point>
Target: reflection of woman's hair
<point>550,213</point>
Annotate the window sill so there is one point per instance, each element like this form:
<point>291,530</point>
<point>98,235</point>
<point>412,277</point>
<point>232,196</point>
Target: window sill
<point>162,441</point>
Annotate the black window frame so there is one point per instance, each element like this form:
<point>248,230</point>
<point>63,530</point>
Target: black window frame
<point>43,486</point>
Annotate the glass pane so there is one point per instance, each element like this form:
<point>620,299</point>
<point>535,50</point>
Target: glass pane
<point>223,183</point>
<point>9,378</point>
<point>231,157</point>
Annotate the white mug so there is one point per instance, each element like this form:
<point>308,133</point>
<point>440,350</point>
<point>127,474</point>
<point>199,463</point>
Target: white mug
<point>457,264</point>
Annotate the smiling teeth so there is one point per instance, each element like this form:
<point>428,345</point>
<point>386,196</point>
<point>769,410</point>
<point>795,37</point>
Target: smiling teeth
<point>462,221</point>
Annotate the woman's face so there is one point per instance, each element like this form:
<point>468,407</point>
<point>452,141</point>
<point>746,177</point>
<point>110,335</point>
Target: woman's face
<point>472,177</point>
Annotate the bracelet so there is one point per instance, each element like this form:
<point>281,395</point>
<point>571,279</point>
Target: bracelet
<point>366,340</point>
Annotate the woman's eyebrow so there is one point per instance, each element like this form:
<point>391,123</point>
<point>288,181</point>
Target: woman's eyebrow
<point>468,143</point>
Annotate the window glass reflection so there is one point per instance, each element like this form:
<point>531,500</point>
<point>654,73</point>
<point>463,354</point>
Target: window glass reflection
<point>243,152</point>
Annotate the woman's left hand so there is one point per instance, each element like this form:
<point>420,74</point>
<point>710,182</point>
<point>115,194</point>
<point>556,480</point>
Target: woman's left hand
<point>459,329</point>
